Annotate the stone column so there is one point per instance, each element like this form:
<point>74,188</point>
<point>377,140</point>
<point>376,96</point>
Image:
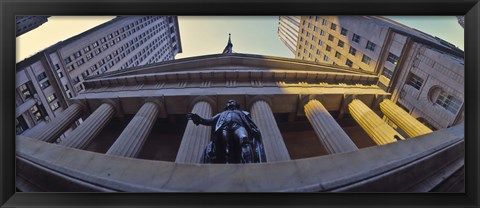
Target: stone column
<point>83,134</point>
<point>262,116</point>
<point>130,142</point>
<point>331,135</point>
<point>374,126</point>
<point>411,126</point>
<point>59,124</point>
<point>195,138</point>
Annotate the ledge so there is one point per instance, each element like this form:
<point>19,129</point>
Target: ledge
<point>326,173</point>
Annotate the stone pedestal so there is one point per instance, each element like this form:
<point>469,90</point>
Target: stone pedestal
<point>374,126</point>
<point>130,142</point>
<point>262,116</point>
<point>83,134</point>
<point>331,135</point>
<point>195,138</point>
<point>411,126</point>
<point>59,124</point>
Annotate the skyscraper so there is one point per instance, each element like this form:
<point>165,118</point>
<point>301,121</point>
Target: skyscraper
<point>27,23</point>
<point>288,27</point>
<point>419,70</point>
<point>46,81</point>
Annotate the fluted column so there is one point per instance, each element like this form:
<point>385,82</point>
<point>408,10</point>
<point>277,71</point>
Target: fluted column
<point>59,124</point>
<point>373,125</point>
<point>331,135</point>
<point>131,141</point>
<point>195,138</point>
<point>83,134</point>
<point>411,126</point>
<point>262,116</point>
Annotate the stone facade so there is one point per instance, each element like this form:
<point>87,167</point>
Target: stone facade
<point>408,62</point>
<point>135,125</point>
<point>46,81</point>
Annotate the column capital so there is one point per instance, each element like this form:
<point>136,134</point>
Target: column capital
<point>115,103</point>
<point>251,99</point>
<point>160,102</point>
<point>209,99</point>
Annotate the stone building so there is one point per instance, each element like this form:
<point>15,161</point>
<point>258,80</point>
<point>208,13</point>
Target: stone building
<point>320,124</point>
<point>424,73</point>
<point>46,81</point>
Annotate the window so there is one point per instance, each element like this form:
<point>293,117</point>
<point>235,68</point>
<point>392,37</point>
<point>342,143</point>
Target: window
<point>98,50</point>
<point>104,69</point>
<point>309,55</point>
<point>314,38</point>
<point>86,49</point>
<point>387,73</point>
<point>301,39</point>
<point>303,31</point>
<point>85,74</point>
<point>343,31</point>
<point>322,33</point>
<point>308,34</point>
<point>95,44</point>
<point>78,53</point>
<point>25,90</point>
<point>349,63</point>
<point>105,46</point>
<point>330,37</point>
<point>76,80</point>
<point>304,21</point>
<point>356,38</point>
<point>415,81</point>
<point>338,55</point>
<point>41,76</point>
<point>36,113</point>
<point>325,57</point>
<point>57,67</point>
<point>52,97</point>
<point>311,47</point>
<point>328,48</point>
<point>309,25</point>
<point>80,62</point>
<point>67,60</point>
<point>65,87</point>
<point>352,51</point>
<point>392,58</point>
<point>449,102</point>
<point>55,106</point>
<point>324,22</point>
<point>370,46</point>
<point>340,43</point>
<point>103,40</point>
<point>366,59</point>
<point>60,74</point>
<point>333,26</point>
<point>317,18</point>
<point>45,84</point>
<point>318,52</point>
<point>320,42</point>
<point>315,28</point>
<point>89,56</point>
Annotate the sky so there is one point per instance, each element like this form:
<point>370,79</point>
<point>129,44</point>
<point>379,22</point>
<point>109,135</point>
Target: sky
<point>203,35</point>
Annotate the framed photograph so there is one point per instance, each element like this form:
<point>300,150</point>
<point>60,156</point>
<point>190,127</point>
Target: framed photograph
<point>239,104</point>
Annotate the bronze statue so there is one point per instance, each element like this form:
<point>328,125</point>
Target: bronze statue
<point>236,139</point>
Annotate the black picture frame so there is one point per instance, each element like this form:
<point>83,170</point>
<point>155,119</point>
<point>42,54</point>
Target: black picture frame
<point>10,8</point>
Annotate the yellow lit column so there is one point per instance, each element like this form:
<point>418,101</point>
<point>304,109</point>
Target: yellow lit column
<point>59,124</point>
<point>195,138</point>
<point>262,116</point>
<point>411,126</point>
<point>330,134</point>
<point>91,127</point>
<point>373,125</point>
<point>130,142</point>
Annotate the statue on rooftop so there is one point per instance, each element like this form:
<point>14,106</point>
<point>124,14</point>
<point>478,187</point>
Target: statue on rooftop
<point>236,139</point>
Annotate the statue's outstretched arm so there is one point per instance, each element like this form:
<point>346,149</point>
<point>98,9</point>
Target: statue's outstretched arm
<point>199,120</point>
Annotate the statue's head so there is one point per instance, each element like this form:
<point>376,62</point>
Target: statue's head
<point>232,104</point>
